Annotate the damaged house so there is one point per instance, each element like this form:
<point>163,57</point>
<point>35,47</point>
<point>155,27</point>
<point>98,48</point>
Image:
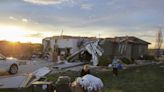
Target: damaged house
<point>127,46</point>
<point>64,45</point>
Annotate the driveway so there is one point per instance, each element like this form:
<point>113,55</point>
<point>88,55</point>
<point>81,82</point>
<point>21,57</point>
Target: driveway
<point>29,67</point>
<point>32,66</point>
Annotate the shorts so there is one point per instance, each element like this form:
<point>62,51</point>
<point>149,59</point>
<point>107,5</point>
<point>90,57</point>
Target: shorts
<point>115,71</point>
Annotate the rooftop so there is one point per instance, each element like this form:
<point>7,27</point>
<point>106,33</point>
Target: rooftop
<point>128,39</point>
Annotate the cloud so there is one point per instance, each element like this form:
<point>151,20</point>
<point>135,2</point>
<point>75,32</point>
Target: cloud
<point>24,20</point>
<point>45,2</point>
<point>86,6</point>
<point>147,36</point>
<point>18,19</point>
<point>35,35</point>
<point>12,18</point>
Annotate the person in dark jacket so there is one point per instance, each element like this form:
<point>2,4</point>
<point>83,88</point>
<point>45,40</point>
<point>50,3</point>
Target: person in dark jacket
<point>85,70</point>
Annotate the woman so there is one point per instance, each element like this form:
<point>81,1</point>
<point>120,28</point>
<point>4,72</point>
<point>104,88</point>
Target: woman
<point>85,70</point>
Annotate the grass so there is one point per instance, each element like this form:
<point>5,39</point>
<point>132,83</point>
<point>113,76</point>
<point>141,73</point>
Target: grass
<point>141,79</point>
<point>149,78</point>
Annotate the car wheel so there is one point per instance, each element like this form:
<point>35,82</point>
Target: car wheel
<point>13,69</point>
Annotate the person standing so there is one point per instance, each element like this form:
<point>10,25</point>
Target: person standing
<point>85,70</point>
<point>114,65</point>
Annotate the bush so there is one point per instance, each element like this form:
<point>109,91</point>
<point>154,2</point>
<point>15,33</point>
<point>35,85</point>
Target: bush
<point>127,61</point>
<point>147,57</point>
<point>104,61</point>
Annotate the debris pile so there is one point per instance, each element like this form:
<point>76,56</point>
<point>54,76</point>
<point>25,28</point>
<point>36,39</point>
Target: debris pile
<point>22,81</point>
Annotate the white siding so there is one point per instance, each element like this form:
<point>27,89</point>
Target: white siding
<point>62,43</point>
<point>52,42</point>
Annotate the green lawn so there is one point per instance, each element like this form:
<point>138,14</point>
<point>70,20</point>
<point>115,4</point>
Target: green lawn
<point>149,78</point>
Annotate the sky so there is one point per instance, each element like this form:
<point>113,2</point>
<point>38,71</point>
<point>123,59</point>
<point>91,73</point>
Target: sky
<point>33,20</point>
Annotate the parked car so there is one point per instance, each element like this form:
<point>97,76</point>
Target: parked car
<point>8,65</point>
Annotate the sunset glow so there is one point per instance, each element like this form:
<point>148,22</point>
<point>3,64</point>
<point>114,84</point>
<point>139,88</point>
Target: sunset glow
<point>33,20</point>
<point>15,34</point>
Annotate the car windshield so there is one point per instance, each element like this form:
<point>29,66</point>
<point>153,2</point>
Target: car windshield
<point>2,57</point>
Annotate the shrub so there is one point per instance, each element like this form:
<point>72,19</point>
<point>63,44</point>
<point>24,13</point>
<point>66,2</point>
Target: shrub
<point>147,57</point>
<point>104,61</point>
<point>126,60</point>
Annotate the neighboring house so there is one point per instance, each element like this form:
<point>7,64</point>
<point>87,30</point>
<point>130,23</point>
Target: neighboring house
<point>126,46</point>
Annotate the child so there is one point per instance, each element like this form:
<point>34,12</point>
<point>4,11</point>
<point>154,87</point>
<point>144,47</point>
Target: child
<point>114,65</point>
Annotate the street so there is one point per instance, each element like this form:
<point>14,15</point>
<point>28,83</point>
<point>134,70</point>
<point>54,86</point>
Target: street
<point>34,65</point>
<point>29,67</point>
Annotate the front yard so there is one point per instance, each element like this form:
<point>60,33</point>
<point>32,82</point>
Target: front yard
<point>149,78</point>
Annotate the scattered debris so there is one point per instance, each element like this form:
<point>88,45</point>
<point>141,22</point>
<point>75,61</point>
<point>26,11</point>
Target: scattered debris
<point>38,74</point>
<point>162,66</point>
<point>42,85</point>
<point>41,72</point>
<point>68,65</point>
<point>159,62</point>
<point>71,57</point>
<point>13,82</point>
<point>21,81</point>
<point>92,48</point>
<point>95,51</point>
<point>110,66</point>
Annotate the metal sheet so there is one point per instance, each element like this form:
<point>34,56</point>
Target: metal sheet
<point>12,82</point>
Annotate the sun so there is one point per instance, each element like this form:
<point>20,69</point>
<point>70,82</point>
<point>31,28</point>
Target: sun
<point>12,33</point>
<point>13,43</point>
<point>15,34</point>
